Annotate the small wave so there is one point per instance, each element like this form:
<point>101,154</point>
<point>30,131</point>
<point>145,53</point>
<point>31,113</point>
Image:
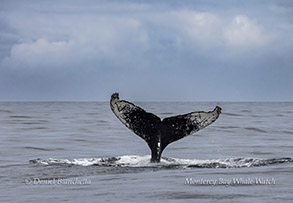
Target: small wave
<point>167,113</point>
<point>256,129</point>
<point>288,132</point>
<point>232,114</point>
<point>228,127</point>
<point>43,149</point>
<point>144,162</point>
<point>5,111</point>
<point>20,117</point>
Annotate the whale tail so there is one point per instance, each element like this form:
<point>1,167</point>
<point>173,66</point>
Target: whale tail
<point>156,132</point>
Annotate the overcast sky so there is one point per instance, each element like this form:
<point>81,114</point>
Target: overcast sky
<point>192,50</point>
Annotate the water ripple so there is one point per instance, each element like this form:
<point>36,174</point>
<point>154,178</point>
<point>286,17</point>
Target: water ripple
<point>256,130</point>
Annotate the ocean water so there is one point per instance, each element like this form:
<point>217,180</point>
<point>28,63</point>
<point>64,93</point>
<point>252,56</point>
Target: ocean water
<point>79,151</point>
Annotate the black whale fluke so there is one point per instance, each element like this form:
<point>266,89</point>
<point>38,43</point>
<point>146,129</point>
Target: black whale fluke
<point>156,132</point>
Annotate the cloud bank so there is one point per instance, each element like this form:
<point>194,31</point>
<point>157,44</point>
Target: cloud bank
<point>172,51</point>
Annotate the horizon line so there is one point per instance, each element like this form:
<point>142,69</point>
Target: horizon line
<point>100,101</point>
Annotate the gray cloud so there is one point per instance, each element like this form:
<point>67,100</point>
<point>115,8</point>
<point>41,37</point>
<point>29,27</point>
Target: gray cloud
<point>196,50</point>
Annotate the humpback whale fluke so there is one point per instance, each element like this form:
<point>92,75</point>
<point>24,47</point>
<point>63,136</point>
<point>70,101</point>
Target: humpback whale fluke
<point>156,132</point>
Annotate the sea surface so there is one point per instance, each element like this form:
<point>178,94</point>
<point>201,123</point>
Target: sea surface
<point>80,152</point>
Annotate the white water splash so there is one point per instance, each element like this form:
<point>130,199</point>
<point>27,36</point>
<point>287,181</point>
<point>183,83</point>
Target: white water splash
<point>144,161</point>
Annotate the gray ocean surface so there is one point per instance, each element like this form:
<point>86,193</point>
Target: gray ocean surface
<point>80,152</point>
